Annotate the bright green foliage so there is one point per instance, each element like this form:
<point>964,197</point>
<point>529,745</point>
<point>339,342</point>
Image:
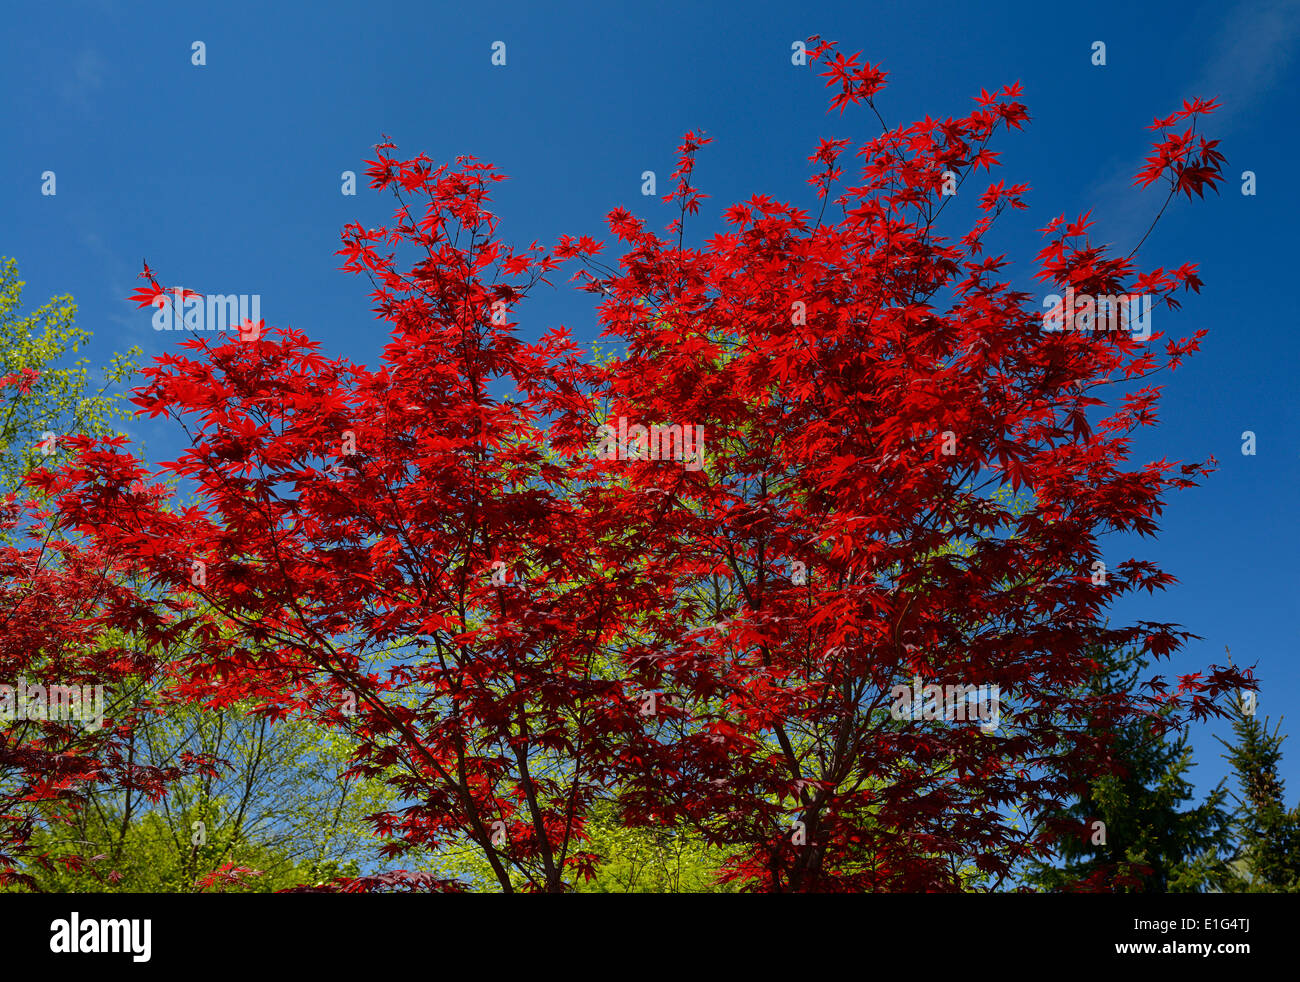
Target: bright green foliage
<point>277,805</point>
<point>151,856</point>
<point>61,400</point>
<point>649,860</point>
<point>631,860</point>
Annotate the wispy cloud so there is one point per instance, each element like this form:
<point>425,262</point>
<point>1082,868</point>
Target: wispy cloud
<point>122,282</point>
<point>1257,42</point>
<point>84,77</point>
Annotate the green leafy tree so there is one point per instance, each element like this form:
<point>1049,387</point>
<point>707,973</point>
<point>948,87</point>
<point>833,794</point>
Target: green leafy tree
<point>147,858</point>
<point>57,397</point>
<point>645,859</point>
<point>621,859</point>
<point>279,810</point>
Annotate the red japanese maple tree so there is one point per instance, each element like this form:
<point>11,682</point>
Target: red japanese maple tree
<point>908,481</point>
<point>424,554</point>
<point>862,465</point>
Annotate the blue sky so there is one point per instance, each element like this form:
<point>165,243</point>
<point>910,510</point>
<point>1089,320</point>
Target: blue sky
<point>227,178</point>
